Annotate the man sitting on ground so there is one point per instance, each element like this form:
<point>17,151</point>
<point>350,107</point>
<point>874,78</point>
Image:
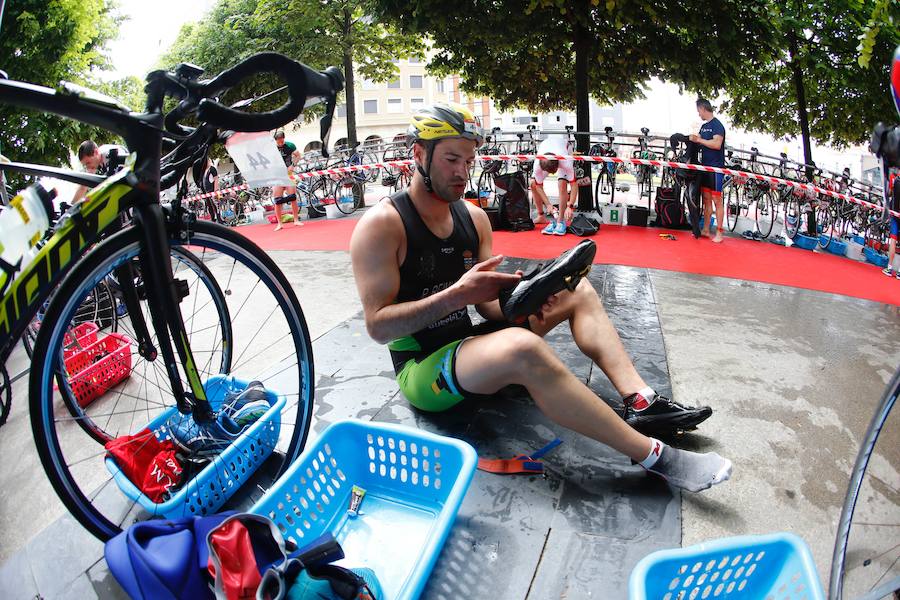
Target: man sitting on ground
<point>421,257</point>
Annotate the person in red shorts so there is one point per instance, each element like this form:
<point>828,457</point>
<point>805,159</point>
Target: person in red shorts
<point>712,140</point>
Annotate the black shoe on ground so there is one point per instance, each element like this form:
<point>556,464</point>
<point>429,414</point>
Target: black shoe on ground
<point>663,415</point>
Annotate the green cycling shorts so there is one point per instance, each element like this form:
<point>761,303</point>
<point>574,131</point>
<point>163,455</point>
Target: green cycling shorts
<point>430,383</point>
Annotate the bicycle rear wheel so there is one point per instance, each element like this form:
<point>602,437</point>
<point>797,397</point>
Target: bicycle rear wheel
<point>732,194</point>
<point>867,547</point>
<point>269,343</point>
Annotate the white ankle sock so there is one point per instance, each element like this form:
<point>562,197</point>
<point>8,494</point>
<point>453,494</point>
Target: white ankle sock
<point>656,448</point>
<point>648,393</point>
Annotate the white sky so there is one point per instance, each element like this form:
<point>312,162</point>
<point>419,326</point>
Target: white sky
<point>151,28</point>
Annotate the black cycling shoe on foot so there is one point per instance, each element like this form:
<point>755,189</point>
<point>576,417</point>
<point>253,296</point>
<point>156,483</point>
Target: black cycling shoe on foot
<point>527,296</point>
<point>663,415</point>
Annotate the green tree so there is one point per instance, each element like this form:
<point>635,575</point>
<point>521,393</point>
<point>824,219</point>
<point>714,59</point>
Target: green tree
<point>556,54</point>
<point>319,33</point>
<point>885,13</point>
<point>44,43</point>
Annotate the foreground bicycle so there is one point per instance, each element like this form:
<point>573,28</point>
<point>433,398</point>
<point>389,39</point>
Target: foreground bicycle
<point>193,336</point>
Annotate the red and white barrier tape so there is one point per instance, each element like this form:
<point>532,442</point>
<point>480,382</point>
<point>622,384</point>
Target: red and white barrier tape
<point>596,159</point>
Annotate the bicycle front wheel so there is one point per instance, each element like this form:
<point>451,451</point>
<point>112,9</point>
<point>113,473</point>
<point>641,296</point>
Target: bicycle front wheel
<point>866,559</point>
<point>269,342</point>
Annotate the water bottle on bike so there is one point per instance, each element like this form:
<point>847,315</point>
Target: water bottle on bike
<point>22,225</point>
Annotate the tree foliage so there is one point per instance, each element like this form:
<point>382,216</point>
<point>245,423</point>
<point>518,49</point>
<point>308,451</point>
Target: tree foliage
<point>523,54</point>
<point>319,33</point>
<point>885,13</point>
<point>844,100</point>
<point>44,43</point>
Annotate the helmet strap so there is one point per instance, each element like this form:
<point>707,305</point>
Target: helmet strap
<point>426,172</point>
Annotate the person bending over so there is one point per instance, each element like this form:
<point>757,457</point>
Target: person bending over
<point>422,256</point>
<point>558,217</point>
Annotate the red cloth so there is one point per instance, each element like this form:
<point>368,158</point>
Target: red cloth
<point>240,575</point>
<point>149,464</point>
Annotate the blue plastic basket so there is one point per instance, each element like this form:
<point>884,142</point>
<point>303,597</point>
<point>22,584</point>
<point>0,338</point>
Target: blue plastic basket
<point>838,247</point>
<point>876,258</point>
<point>777,566</point>
<point>211,487</point>
<point>415,482</point>
<point>805,242</point>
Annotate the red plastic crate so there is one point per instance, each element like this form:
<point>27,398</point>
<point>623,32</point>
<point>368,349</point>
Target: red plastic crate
<point>79,338</point>
<point>99,367</point>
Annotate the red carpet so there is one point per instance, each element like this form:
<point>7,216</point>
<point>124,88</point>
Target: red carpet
<point>642,247</point>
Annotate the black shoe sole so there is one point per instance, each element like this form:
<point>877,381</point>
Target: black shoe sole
<point>669,423</point>
<point>527,297</point>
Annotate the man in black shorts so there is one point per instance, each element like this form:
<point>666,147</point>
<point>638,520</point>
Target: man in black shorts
<point>421,257</point>
<point>283,194</point>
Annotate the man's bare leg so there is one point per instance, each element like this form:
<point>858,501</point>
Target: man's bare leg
<point>707,212</point>
<point>484,364</point>
<point>720,216</point>
<point>594,334</point>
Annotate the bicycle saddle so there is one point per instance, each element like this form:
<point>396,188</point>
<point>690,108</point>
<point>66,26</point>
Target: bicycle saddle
<point>564,272</point>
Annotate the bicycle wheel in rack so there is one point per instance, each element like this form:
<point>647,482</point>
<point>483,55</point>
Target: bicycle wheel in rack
<point>866,558</point>
<point>356,190</point>
<point>765,212</point>
<point>267,341</point>
<point>732,194</point>
<point>320,192</point>
<point>826,216</point>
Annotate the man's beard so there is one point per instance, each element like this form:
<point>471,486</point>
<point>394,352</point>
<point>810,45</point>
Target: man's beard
<point>444,191</point>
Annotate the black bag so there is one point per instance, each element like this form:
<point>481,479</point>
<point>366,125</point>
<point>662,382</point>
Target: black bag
<point>515,211</point>
<point>584,226</point>
<point>669,211</point>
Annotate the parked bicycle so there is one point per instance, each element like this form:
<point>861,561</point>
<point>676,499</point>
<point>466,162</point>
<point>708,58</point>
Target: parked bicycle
<point>192,335</point>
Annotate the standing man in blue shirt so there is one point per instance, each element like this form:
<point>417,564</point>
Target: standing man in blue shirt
<point>712,139</point>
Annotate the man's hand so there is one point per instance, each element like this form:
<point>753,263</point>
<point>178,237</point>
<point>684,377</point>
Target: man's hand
<point>569,213</point>
<point>482,283</point>
<point>694,137</point>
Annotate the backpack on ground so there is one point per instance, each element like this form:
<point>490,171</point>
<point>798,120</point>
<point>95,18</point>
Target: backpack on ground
<point>669,210</point>
<point>515,210</point>
<point>583,225</point>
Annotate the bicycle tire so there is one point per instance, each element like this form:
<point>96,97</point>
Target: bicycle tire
<point>826,222</point>
<point>486,193</point>
<point>319,191</point>
<point>82,482</point>
<point>5,395</point>
<point>765,213</point>
<point>857,477</point>
<point>357,192</point>
<point>732,204</point>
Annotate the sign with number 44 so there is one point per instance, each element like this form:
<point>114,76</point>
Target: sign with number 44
<point>258,158</point>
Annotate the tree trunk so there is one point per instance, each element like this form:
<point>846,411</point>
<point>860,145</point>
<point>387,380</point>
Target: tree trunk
<point>349,91</point>
<point>804,120</point>
<point>582,107</point>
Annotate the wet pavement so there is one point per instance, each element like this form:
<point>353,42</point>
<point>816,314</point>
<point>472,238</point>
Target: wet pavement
<point>793,377</point>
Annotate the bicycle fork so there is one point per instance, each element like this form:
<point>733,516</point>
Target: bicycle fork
<point>164,295</point>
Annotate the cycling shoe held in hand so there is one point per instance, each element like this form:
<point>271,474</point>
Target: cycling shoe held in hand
<point>564,272</point>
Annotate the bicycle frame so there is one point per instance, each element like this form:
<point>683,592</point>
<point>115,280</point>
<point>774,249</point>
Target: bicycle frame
<point>139,182</point>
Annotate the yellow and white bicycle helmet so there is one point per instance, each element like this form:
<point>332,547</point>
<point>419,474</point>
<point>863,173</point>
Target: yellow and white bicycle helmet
<point>433,123</point>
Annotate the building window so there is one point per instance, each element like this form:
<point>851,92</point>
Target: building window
<point>370,107</point>
<point>415,60</point>
<point>341,111</point>
<point>527,120</point>
<point>395,105</point>
<point>415,82</point>
<point>416,103</point>
<point>440,86</point>
<point>394,85</point>
<point>369,85</point>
